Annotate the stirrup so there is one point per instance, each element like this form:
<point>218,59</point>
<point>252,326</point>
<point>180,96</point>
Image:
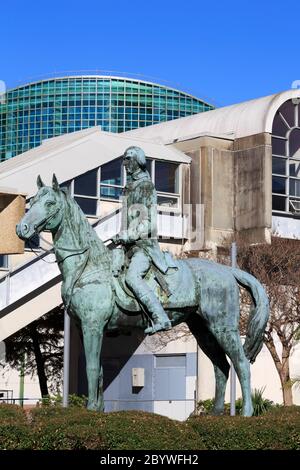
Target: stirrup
<point>167,325</point>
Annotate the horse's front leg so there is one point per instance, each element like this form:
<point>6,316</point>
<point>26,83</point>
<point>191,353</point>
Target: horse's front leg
<point>92,340</point>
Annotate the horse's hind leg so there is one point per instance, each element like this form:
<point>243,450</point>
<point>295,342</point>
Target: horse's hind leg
<point>209,345</point>
<point>231,342</point>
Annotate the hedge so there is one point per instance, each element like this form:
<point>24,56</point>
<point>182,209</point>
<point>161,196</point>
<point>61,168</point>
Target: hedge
<point>14,430</point>
<point>54,428</point>
<point>278,429</point>
<point>58,428</point>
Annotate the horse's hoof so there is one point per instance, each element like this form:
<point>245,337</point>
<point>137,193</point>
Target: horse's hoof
<point>167,325</point>
<point>247,413</point>
<point>93,407</point>
<point>218,412</point>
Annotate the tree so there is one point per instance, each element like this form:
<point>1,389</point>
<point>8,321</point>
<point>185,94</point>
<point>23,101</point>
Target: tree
<point>41,345</point>
<point>277,267</point>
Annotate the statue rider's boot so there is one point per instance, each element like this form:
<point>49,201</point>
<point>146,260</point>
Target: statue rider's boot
<point>160,319</point>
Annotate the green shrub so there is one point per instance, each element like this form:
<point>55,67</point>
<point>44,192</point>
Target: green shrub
<point>54,428</point>
<point>277,429</point>
<point>78,401</point>
<point>14,431</point>
<point>260,404</point>
<point>147,431</point>
<point>67,428</point>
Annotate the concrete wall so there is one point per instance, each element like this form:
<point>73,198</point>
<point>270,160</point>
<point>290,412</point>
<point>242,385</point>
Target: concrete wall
<point>253,187</point>
<point>231,179</point>
<point>12,208</point>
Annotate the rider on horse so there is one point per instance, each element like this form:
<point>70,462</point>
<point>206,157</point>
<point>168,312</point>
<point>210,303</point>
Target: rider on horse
<point>140,236</point>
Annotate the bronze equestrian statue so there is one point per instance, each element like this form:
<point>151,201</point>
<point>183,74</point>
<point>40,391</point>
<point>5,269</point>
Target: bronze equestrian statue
<point>109,290</point>
<point>140,237</point>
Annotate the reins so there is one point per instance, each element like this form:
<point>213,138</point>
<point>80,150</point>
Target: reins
<point>73,252</point>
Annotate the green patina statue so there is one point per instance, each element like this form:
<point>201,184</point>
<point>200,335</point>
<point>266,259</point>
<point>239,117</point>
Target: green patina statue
<point>113,290</point>
<point>140,237</point>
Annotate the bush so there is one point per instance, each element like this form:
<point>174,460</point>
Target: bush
<point>67,428</point>
<point>57,400</point>
<point>54,428</point>
<point>14,431</point>
<point>260,404</point>
<point>277,429</point>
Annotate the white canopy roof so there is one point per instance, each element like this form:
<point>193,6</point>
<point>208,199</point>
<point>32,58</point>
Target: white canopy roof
<point>239,120</point>
<point>73,154</point>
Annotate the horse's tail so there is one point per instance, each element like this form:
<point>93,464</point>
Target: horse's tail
<point>259,313</point>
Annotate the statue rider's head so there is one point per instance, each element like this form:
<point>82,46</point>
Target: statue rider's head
<point>134,158</point>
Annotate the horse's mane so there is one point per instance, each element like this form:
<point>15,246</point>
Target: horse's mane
<point>84,232</point>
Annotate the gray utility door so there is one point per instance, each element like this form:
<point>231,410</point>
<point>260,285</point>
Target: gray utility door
<point>170,377</point>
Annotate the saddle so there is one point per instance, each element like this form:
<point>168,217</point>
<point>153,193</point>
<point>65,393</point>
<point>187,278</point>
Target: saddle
<point>175,289</point>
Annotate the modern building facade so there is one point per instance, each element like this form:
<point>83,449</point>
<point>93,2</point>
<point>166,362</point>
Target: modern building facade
<point>222,161</point>
<point>41,110</point>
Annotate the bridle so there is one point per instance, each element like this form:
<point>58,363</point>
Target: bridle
<point>45,220</point>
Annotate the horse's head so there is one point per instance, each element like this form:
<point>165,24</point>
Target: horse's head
<point>45,213</point>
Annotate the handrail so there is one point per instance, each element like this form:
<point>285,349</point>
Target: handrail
<point>25,265</point>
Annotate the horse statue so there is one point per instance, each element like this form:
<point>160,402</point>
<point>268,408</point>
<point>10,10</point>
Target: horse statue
<point>202,293</point>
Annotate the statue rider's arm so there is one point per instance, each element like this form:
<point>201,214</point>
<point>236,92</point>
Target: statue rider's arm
<point>142,214</point>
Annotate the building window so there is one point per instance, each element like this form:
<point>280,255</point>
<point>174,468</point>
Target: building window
<point>166,177</point>
<point>3,261</point>
<point>172,360</point>
<point>166,181</point>
<point>111,182</point>
<point>86,184</point>
<point>86,192</point>
<point>286,159</point>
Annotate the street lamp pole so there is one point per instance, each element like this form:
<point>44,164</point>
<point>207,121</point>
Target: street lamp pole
<point>232,371</point>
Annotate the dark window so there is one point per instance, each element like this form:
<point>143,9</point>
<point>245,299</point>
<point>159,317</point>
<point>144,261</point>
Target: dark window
<point>86,184</point>
<point>111,173</point>
<point>3,261</point>
<point>278,146</point>
<point>294,168</point>
<point>88,206</point>
<point>279,126</point>
<point>166,177</point>
<point>278,165</point>
<point>288,112</point>
<point>278,203</point>
<point>278,185</point>
<point>294,143</point>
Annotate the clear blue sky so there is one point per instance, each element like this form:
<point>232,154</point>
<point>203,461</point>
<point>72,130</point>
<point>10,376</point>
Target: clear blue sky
<point>223,51</point>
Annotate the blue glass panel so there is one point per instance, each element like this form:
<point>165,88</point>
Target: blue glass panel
<point>110,192</point>
<point>278,185</point>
